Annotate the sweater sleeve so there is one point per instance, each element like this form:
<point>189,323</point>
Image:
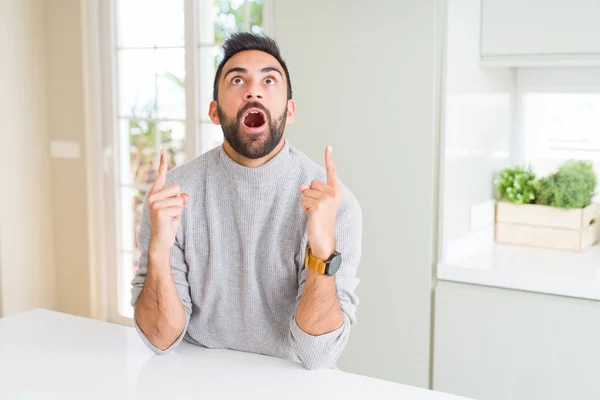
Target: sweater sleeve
<point>179,269</point>
<point>323,351</point>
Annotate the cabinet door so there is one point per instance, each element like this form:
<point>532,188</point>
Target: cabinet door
<point>540,27</point>
<point>498,344</point>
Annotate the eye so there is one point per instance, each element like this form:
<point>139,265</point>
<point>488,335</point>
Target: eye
<point>270,81</point>
<point>237,81</point>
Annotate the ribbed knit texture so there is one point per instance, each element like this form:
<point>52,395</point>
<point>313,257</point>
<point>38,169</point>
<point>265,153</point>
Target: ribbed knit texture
<point>238,259</point>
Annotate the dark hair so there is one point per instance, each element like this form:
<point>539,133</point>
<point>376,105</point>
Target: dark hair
<point>243,41</point>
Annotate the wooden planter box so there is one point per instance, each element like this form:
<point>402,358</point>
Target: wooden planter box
<point>543,226</point>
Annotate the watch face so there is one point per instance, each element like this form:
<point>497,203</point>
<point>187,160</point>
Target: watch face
<point>334,264</point>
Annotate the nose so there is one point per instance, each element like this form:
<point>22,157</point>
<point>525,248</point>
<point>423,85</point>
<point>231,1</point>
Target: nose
<point>253,96</point>
<point>254,93</point>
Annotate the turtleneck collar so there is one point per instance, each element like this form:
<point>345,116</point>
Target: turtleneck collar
<point>263,175</point>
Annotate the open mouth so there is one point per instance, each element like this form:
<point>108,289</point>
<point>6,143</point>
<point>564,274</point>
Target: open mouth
<point>254,119</point>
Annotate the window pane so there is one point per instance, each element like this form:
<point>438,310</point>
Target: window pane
<point>170,83</point>
<point>563,120</point>
<point>228,18</point>
<point>137,87</point>
<point>131,201</point>
<point>126,220</point>
<point>206,26</point>
<point>211,134</point>
<point>208,58</point>
<point>170,23</point>
<point>136,23</point>
<point>172,135</point>
<point>139,159</point>
<point>137,203</point>
<point>131,204</point>
<point>218,19</point>
<point>149,23</point>
<point>256,13</point>
<point>125,277</point>
<point>150,84</point>
<point>560,126</point>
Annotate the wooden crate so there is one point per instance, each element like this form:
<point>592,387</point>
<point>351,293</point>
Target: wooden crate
<point>543,226</point>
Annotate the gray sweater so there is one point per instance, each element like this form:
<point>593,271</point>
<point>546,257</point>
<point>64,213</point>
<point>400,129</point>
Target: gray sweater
<point>238,258</point>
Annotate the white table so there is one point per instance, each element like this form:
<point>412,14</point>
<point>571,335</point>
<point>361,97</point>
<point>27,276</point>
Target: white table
<point>50,355</point>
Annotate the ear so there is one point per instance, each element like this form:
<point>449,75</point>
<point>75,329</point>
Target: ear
<point>213,114</point>
<point>290,112</point>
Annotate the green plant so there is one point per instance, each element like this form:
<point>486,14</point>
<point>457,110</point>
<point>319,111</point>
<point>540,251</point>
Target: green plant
<point>572,186</point>
<point>229,17</point>
<point>516,185</point>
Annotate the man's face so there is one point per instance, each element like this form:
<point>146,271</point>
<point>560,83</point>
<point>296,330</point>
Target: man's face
<point>252,106</point>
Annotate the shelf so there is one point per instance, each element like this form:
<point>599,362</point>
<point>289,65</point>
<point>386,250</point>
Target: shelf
<point>477,259</point>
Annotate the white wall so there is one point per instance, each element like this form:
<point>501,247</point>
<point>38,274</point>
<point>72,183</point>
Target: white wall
<point>66,113</point>
<point>26,256</point>
<point>497,344</point>
<point>364,76</point>
<point>478,121</point>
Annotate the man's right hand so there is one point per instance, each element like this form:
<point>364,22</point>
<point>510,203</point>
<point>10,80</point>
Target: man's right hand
<point>166,207</point>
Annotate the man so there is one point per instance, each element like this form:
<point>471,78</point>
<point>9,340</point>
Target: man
<point>251,246</point>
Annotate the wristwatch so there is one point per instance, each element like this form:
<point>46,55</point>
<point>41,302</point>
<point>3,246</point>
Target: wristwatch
<point>327,267</point>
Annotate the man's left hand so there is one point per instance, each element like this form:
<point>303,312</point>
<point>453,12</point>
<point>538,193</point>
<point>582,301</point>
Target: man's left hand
<point>321,202</point>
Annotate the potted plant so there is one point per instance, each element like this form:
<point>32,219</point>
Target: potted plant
<point>555,211</point>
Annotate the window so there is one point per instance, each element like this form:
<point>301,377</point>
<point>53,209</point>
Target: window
<point>560,117</point>
<point>165,54</point>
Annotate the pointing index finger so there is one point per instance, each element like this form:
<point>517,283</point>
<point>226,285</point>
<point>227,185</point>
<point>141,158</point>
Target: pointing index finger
<point>332,178</point>
<point>161,175</point>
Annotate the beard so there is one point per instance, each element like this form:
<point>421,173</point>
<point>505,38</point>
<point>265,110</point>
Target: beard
<point>256,145</point>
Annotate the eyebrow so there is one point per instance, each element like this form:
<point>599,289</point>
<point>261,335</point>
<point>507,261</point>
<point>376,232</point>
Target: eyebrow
<point>235,69</point>
<point>271,69</point>
<point>245,71</point>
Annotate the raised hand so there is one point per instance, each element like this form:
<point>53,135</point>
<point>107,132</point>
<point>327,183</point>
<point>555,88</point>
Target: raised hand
<point>321,202</point>
<point>166,207</point>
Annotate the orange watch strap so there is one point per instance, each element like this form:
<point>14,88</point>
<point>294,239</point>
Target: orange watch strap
<point>314,263</point>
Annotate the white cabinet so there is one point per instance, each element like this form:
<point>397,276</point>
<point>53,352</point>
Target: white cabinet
<point>493,344</point>
<point>540,32</point>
